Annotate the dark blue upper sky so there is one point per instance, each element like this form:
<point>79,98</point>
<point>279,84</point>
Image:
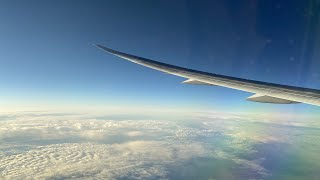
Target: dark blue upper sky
<point>46,56</point>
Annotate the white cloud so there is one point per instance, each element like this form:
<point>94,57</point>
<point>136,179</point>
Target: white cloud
<point>78,146</point>
<point>134,133</point>
<point>140,159</point>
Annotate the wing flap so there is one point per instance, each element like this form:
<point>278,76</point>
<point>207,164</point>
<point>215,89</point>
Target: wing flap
<point>196,82</point>
<point>268,99</point>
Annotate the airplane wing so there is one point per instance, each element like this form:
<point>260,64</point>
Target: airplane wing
<point>263,92</point>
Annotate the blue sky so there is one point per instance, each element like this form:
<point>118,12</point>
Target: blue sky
<point>46,57</point>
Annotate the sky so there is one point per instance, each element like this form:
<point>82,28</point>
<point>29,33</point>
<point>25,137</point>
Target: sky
<point>47,60</point>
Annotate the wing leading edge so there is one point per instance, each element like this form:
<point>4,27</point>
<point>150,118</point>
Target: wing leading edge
<point>264,92</point>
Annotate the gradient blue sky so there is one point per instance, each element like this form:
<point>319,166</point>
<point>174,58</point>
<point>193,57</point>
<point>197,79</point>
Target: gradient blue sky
<point>46,57</point>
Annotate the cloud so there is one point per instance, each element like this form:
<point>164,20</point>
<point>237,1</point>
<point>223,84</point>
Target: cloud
<point>134,133</point>
<point>82,146</point>
<point>137,159</point>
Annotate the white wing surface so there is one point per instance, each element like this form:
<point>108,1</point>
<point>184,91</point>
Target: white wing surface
<point>263,92</point>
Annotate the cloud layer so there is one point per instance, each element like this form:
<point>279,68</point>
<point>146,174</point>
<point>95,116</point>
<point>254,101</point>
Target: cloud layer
<point>136,160</point>
<point>83,146</point>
